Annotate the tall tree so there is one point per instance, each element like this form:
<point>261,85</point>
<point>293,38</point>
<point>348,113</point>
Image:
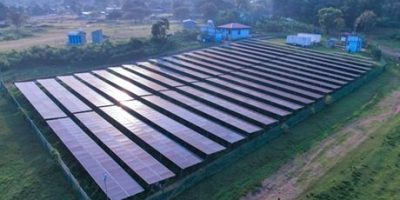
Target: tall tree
<point>365,22</point>
<point>209,10</point>
<point>159,30</point>
<point>17,18</point>
<point>331,19</point>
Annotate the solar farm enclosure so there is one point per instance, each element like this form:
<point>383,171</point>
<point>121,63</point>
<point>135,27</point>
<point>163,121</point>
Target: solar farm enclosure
<point>137,128</point>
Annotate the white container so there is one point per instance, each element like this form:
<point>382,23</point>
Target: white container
<point>298,40</point>
<point>315,38</point>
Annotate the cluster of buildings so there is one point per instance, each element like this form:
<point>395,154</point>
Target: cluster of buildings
<point>352,43</point>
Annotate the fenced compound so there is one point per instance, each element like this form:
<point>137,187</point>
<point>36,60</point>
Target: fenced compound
<point>187,116</point>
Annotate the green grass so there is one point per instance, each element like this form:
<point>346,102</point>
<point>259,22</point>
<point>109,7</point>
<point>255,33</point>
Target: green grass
<point>26,170</point>
<point>383,36</point>
<point>370,172</point>
<point>247,174</point>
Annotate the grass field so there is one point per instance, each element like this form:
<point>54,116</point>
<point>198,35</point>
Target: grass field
<point>27,171</point>
<point>55,29</point>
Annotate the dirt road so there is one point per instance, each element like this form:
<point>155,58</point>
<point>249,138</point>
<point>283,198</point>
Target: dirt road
<point>296,176</point>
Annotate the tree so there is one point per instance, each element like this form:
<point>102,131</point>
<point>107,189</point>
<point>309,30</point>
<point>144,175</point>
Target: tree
<point>115,14</point>
<point>366,21</point>
<point>17,18</point>
<point>331,19</point>
<point>3,12</point>
<point>159,30</point>
<point>181,12</point>
<point>209,10</point>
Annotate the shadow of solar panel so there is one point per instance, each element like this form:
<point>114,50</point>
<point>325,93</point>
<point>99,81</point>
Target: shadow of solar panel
<point>40,101</point>
<point>142,163</point>
<point>98,164</point>
<point>66,98</point>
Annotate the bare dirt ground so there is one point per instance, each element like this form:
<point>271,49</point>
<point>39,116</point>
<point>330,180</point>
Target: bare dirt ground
<point>295,177</point>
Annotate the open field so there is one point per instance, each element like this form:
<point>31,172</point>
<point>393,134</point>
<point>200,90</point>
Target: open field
<point>54,31</point>
<point>27,171</point>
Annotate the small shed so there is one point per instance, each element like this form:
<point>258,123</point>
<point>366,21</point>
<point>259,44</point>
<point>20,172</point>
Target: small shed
<point>354,44</point>
<point>189,24</point>
<point>315,38</point>
<point>76,38</point>
<point>299,40</point>
<point>97,37</point>
<point>235,31</point>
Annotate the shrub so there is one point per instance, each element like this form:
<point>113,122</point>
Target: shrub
<point>375,52</point>
<point>279,25</point>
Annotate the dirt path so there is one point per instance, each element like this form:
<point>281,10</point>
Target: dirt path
<point>296,176</point>
<point>390,52</point>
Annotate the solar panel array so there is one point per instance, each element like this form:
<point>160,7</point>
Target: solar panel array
<point>136,126</point>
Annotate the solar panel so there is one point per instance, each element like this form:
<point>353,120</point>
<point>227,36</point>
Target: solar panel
<point>177,129</point>
<point>106,88</point>
<point>66,98</point>
<point>99,165</point>
<point>86,92</point>
<point>142,163</point>
<point>297,77</point>
<point>330,78</point>
<point>304,58</point>
<point>138,79</point>
<point>331,58</point>
<point>268,90</point>
<point>288,81</point>
<point>284,61</point>
<point>224,59</point>
<point>168,72</point>
<point>216,114</point>
<point>155,76</point>
<point>245,100</point>
<point>256,94</point>
<point>208,65</point>
<point>229,106</point>
<point>191,66</point>
<point>164,145</point>
<point>282,86</point>
<point>180,69</point>
<point>40,101</point>
<point>266,58</point>
<point>196,56</point>
<point>199,121</point>
<point>126,85</point>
